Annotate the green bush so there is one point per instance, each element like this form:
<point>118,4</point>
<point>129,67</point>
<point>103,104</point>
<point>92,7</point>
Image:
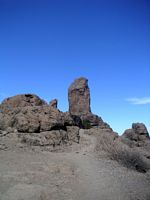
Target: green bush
<point>86,124</point>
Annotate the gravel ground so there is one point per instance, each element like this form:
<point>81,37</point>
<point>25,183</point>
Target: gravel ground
<point>68,173</point>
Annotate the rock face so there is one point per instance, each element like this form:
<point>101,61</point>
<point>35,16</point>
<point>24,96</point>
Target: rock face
<point>53,103</point>
<point>38,123</point>
<point>137,134</point>
<point>79,97</point>
<point>22,101</point>
<point>79,104</point>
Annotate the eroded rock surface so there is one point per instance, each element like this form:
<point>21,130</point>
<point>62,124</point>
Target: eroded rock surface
<point>30,115</point>
<point>22,100</point>
<point>79,97</point>
<point>138,134</point>
<point>79,104</point>
<point>53,103</point>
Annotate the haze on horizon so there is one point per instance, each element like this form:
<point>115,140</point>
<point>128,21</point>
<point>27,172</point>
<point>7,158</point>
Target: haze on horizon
<point>45,45</point>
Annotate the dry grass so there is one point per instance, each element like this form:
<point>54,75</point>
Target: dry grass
<point>116,150</point>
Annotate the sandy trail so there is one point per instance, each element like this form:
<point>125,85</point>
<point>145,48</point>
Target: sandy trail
<point>73,175</point>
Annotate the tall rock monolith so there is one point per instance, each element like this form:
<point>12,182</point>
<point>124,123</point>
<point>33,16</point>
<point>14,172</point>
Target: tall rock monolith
<point>79,97</point>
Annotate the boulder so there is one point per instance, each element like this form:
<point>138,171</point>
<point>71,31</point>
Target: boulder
<point>137,135</point>
<point>39,125</point>
<point>140,129</point>
<point>22,100</point>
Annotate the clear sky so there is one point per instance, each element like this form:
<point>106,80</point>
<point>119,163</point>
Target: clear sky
<point>46,44</point>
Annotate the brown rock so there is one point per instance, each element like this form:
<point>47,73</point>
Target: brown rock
<point>53,103</point>
<point>54,137</point>
<point>73,133</point>
<point>22,101</point>
<point>138,135</point>
<point>79,104</point>
<point>79,97</point>
<point>140,129</point>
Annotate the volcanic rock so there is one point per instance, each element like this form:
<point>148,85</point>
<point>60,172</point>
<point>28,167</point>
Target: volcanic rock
<point>79,97</point>
<point>138,134</point>
<point>79,104</point>
<point>53,103</point>
<point>38,123</point>
<point>22,101</point>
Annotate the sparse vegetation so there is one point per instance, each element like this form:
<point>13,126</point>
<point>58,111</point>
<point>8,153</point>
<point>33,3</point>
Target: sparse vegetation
<point>116,150</point>
<point>86,124</point>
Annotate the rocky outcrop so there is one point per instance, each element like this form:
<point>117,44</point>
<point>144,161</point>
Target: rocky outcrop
<point>22,100</point>
<point>79,104</point>
<point>138,134</point>
<point>79,97</point>
<point>38,123</point>
<point>53,103</point>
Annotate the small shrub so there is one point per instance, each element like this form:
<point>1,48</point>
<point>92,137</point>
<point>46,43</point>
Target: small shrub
<point>120,152</point>
<point>86,124</point>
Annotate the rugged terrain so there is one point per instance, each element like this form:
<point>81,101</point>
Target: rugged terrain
<point>50,155</point>
<point>69,173</point>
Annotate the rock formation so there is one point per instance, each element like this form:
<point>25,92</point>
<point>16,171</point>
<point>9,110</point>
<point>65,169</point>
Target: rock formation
<point>79,104</point>
<point>37,123</point>
<point>53,103</point>
<point>22,101</point>
<point>138,134</point>
<point>79,97</point>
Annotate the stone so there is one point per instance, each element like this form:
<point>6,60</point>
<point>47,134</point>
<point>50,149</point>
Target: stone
<point>53,137</point>
<point>53,103</point>
<point>140,129</point>
<point>22,100</point>
<point>79,104</point>
<point>39,125</point>
<point>29,114</point>
<point>138,134</point>
<point>73,133</point>
<point>79,97</point>
<point>130,134</point>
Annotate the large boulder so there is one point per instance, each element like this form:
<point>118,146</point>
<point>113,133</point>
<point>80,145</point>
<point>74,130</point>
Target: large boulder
<point>36,122</point>
<point>137,135</point>
<point>140,129</point>
<point>32,119</point>
<point>22,101</point>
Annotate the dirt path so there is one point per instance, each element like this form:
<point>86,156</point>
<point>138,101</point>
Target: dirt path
<point>73,175</point>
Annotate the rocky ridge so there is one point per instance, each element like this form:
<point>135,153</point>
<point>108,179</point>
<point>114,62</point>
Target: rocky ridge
<point>39,123</point>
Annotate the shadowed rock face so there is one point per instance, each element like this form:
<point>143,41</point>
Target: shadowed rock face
<point>79,97</point>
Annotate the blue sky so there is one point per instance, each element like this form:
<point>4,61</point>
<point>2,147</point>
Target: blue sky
<point>46,44</point>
